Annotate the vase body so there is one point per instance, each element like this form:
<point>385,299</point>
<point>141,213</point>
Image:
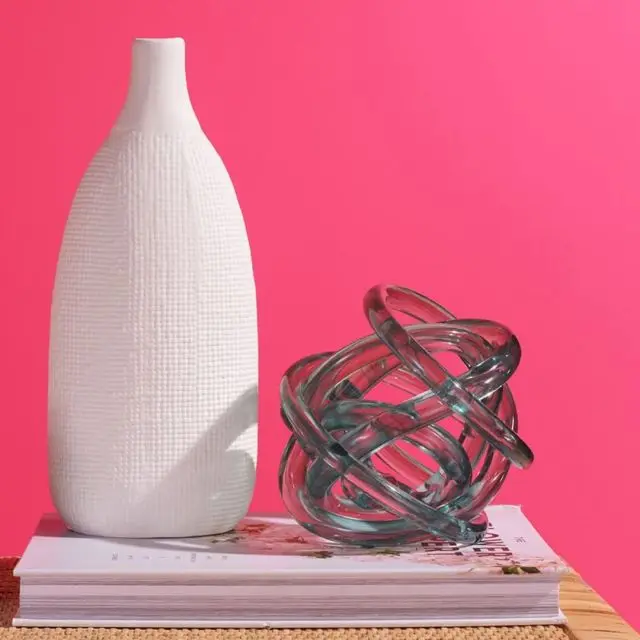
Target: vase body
<point>153,367</point>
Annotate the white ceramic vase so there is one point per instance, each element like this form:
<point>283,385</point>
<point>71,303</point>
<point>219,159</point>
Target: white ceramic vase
<point>154,352</point>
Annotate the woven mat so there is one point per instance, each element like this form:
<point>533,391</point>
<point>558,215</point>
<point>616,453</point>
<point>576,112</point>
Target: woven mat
<point>9,604</point>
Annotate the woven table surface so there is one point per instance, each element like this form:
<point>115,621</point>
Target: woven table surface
<point>608,626</point>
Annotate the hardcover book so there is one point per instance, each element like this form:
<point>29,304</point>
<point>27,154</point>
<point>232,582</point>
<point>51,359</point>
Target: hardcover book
<point>271,572</point>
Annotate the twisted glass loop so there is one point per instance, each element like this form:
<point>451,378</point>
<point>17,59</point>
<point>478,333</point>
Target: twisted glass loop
<point>373,472</point>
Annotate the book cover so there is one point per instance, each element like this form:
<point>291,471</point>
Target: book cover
<point>275,548</point>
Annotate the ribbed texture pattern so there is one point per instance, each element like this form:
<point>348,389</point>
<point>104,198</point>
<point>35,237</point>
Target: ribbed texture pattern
<point>153,362</point>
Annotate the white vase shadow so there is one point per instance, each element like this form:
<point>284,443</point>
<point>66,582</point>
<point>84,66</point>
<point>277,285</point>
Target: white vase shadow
<point>233,466</point>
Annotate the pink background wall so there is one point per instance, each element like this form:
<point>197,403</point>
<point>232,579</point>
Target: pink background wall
<point>484,153</point>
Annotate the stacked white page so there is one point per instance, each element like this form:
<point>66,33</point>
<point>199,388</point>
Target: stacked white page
<point>270,572</point>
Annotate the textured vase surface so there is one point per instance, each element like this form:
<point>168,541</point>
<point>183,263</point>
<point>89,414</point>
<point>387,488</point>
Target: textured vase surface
<point>153,350</point>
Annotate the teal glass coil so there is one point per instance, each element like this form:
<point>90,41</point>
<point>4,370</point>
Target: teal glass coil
<point>363,469</point>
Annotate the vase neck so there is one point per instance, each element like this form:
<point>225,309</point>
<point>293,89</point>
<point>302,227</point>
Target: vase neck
<point>158,98</point>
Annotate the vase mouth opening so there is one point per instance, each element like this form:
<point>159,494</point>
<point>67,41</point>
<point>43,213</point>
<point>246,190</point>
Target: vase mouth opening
<point>159,41</point>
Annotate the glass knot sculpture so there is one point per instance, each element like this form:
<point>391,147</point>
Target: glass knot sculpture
<point>403,435</point>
